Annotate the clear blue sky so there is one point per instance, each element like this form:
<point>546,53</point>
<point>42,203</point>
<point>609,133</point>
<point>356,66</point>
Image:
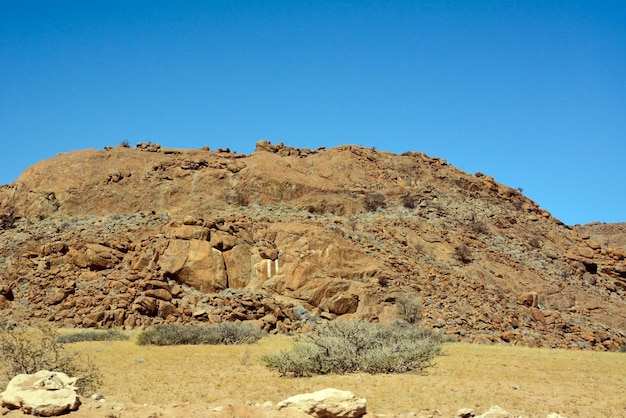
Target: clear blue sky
<point>530,92</point>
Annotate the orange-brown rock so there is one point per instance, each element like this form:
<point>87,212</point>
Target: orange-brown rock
<point>194,263</point>
<point>285,237</point>
<point>99,257</point>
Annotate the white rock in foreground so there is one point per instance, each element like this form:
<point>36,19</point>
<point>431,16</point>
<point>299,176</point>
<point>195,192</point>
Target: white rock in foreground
<point>42,394</point>
<point>327,403</point>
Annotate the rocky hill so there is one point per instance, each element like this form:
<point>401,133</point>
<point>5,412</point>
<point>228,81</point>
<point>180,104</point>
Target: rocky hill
<point>284,237</point>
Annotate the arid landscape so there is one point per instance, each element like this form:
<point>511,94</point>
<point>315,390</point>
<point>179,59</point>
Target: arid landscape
<point>287,238</point>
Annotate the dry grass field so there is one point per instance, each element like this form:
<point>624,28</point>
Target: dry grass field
<point>525,381</point>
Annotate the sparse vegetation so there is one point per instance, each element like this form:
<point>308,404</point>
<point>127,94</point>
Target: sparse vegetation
<point>29,350</point>
<point>8,219</point>
<point>408,201</point>
<point>224,333</point>
<point>409,308</point>
<point>374,201</point>
<point>315,210</point>
<point>108,335</point>
<point>357,346</point>
<point>125,144</point>
<point>463,253</point>
<point>477,226</point>
<point>161,375</point>
<point>534,242</point>
<point>239,198</point>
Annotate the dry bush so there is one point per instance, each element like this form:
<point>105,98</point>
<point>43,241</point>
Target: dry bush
<point>224,333</point>
<point>8,219</point>
<point>239,198</point>
<point>315,210</point>
<point>534,242</point>
<point>374,201</point>
<point>29,350</point>
<point>356,346</point>
<point>409,308</point>
<point>463,253</point>
<point>108,335</point>
<point>479,227</point>
<point>408,201</point>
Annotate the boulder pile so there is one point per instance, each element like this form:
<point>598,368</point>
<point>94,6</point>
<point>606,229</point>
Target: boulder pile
<point>286,236</point>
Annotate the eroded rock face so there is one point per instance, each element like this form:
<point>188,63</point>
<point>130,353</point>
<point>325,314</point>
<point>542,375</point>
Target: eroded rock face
<point>195,263</point>
<point>42,394</point>
<point>327,403</point>
<point>158,235</point>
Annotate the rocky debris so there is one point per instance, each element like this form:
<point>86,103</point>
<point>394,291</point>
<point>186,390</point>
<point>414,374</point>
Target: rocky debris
<point>496,412</point>
<point>43,394</point>
<point>326,403</point>
<point>465,413</point>
<point>192,236</point>
<point>493,412</point>
<point>606,235</point>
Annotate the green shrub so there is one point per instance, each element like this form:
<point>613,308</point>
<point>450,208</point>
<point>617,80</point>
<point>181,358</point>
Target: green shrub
<point>224,333</point>
<point>108,335</point>
<point>29,350</point>
<point>347,347</point>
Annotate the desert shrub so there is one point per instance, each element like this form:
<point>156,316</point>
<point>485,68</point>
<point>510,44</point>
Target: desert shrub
<point>409,308</point>
<point>374,201</point>
<point>479,227</point>
<point>29,350</point>
<point>534,242</point>
<point>227,333</point>
<point>240,198</point>
<point>347,347</point>
<point>125,143</point>
<point>315,210</point>
<point>108,335</point>
<point>463,253</point>
<point>8,219</point>
<point>518,204</point>
<point>408,201</point>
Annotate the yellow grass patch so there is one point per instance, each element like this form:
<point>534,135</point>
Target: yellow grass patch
<point>525,381</point>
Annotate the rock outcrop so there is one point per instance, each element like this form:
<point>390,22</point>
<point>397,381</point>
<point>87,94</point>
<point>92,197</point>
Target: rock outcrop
<point>42,394</point>
<point>326,403</point>
<point>157,235</point>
